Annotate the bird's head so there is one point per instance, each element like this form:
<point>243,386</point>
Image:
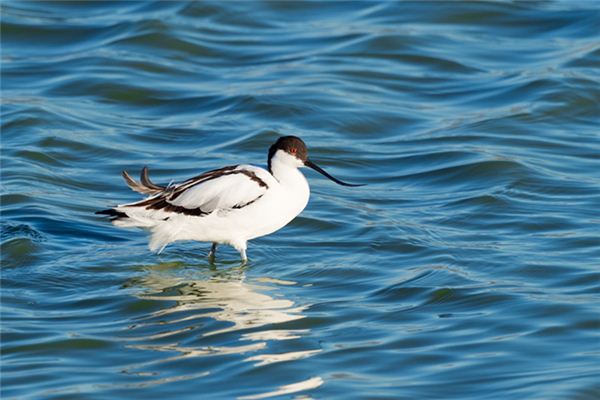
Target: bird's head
<point>292,151</point>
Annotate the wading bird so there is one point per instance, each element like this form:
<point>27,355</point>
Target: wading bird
<point>230,205</point>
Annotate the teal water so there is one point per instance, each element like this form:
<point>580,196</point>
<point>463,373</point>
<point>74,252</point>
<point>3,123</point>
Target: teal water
<point>468,268</point>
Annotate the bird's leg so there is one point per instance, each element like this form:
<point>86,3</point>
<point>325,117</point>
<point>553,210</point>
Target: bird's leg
<point>213,252</point>
<point>241,248</point>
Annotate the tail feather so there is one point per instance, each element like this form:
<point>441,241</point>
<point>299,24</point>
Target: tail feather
<point>145,186</point>
<point>139,215</point>
<point>145,179</point>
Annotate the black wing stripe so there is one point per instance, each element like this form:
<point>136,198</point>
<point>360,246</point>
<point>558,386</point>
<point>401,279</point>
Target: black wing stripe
<point>162,204</point>
<point>252,175</point>
<point>238,206</point>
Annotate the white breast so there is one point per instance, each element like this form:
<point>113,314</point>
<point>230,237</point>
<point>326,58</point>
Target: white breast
<point>280,204</point>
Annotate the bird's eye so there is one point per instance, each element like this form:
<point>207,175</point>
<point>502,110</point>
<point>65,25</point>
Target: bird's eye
<point>293,150</point>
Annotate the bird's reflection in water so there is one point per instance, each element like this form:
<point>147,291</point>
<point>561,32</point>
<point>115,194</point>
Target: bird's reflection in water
<point>206,308</point>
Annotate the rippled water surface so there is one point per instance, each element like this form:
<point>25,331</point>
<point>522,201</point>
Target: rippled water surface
<point>469,267</point>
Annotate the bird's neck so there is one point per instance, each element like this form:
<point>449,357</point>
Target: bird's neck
<point>284,168</point>
<point>285,173</point>
<point>293,187</point>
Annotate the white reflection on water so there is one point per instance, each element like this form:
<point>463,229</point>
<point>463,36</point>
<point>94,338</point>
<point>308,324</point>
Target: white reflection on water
<point>229,297</point>
<point>288,389</point>
<point>265,359</point>
<point>225,296</point>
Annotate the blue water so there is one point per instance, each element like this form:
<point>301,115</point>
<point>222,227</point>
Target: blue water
<point>468,268</point>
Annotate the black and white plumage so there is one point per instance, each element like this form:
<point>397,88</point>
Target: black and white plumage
<point>230,205</point>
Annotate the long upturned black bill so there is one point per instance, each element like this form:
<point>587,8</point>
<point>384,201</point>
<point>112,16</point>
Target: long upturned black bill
<point>320,170</point>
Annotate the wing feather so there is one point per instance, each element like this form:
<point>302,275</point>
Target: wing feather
<point>231,189</point>
<point>227,188</point>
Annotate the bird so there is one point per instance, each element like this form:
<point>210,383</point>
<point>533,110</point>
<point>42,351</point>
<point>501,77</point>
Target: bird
<point>229,205</point>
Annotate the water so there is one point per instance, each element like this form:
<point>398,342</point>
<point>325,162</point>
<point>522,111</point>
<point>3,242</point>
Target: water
<point>469,267</point>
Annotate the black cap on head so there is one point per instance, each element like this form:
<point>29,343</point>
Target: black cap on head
<point>290,144</point>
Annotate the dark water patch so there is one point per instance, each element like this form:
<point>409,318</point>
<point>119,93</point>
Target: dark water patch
<point>490,172</point>
<point>20,243</point>
<point>11,230</point>
<point>172,46</point>
<point>45,39</point>
<point>57,346</point>
<point>18,252</point>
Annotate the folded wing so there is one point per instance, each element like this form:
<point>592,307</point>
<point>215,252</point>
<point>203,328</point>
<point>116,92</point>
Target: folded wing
<point>232,189</point>
<point>227,188</point>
